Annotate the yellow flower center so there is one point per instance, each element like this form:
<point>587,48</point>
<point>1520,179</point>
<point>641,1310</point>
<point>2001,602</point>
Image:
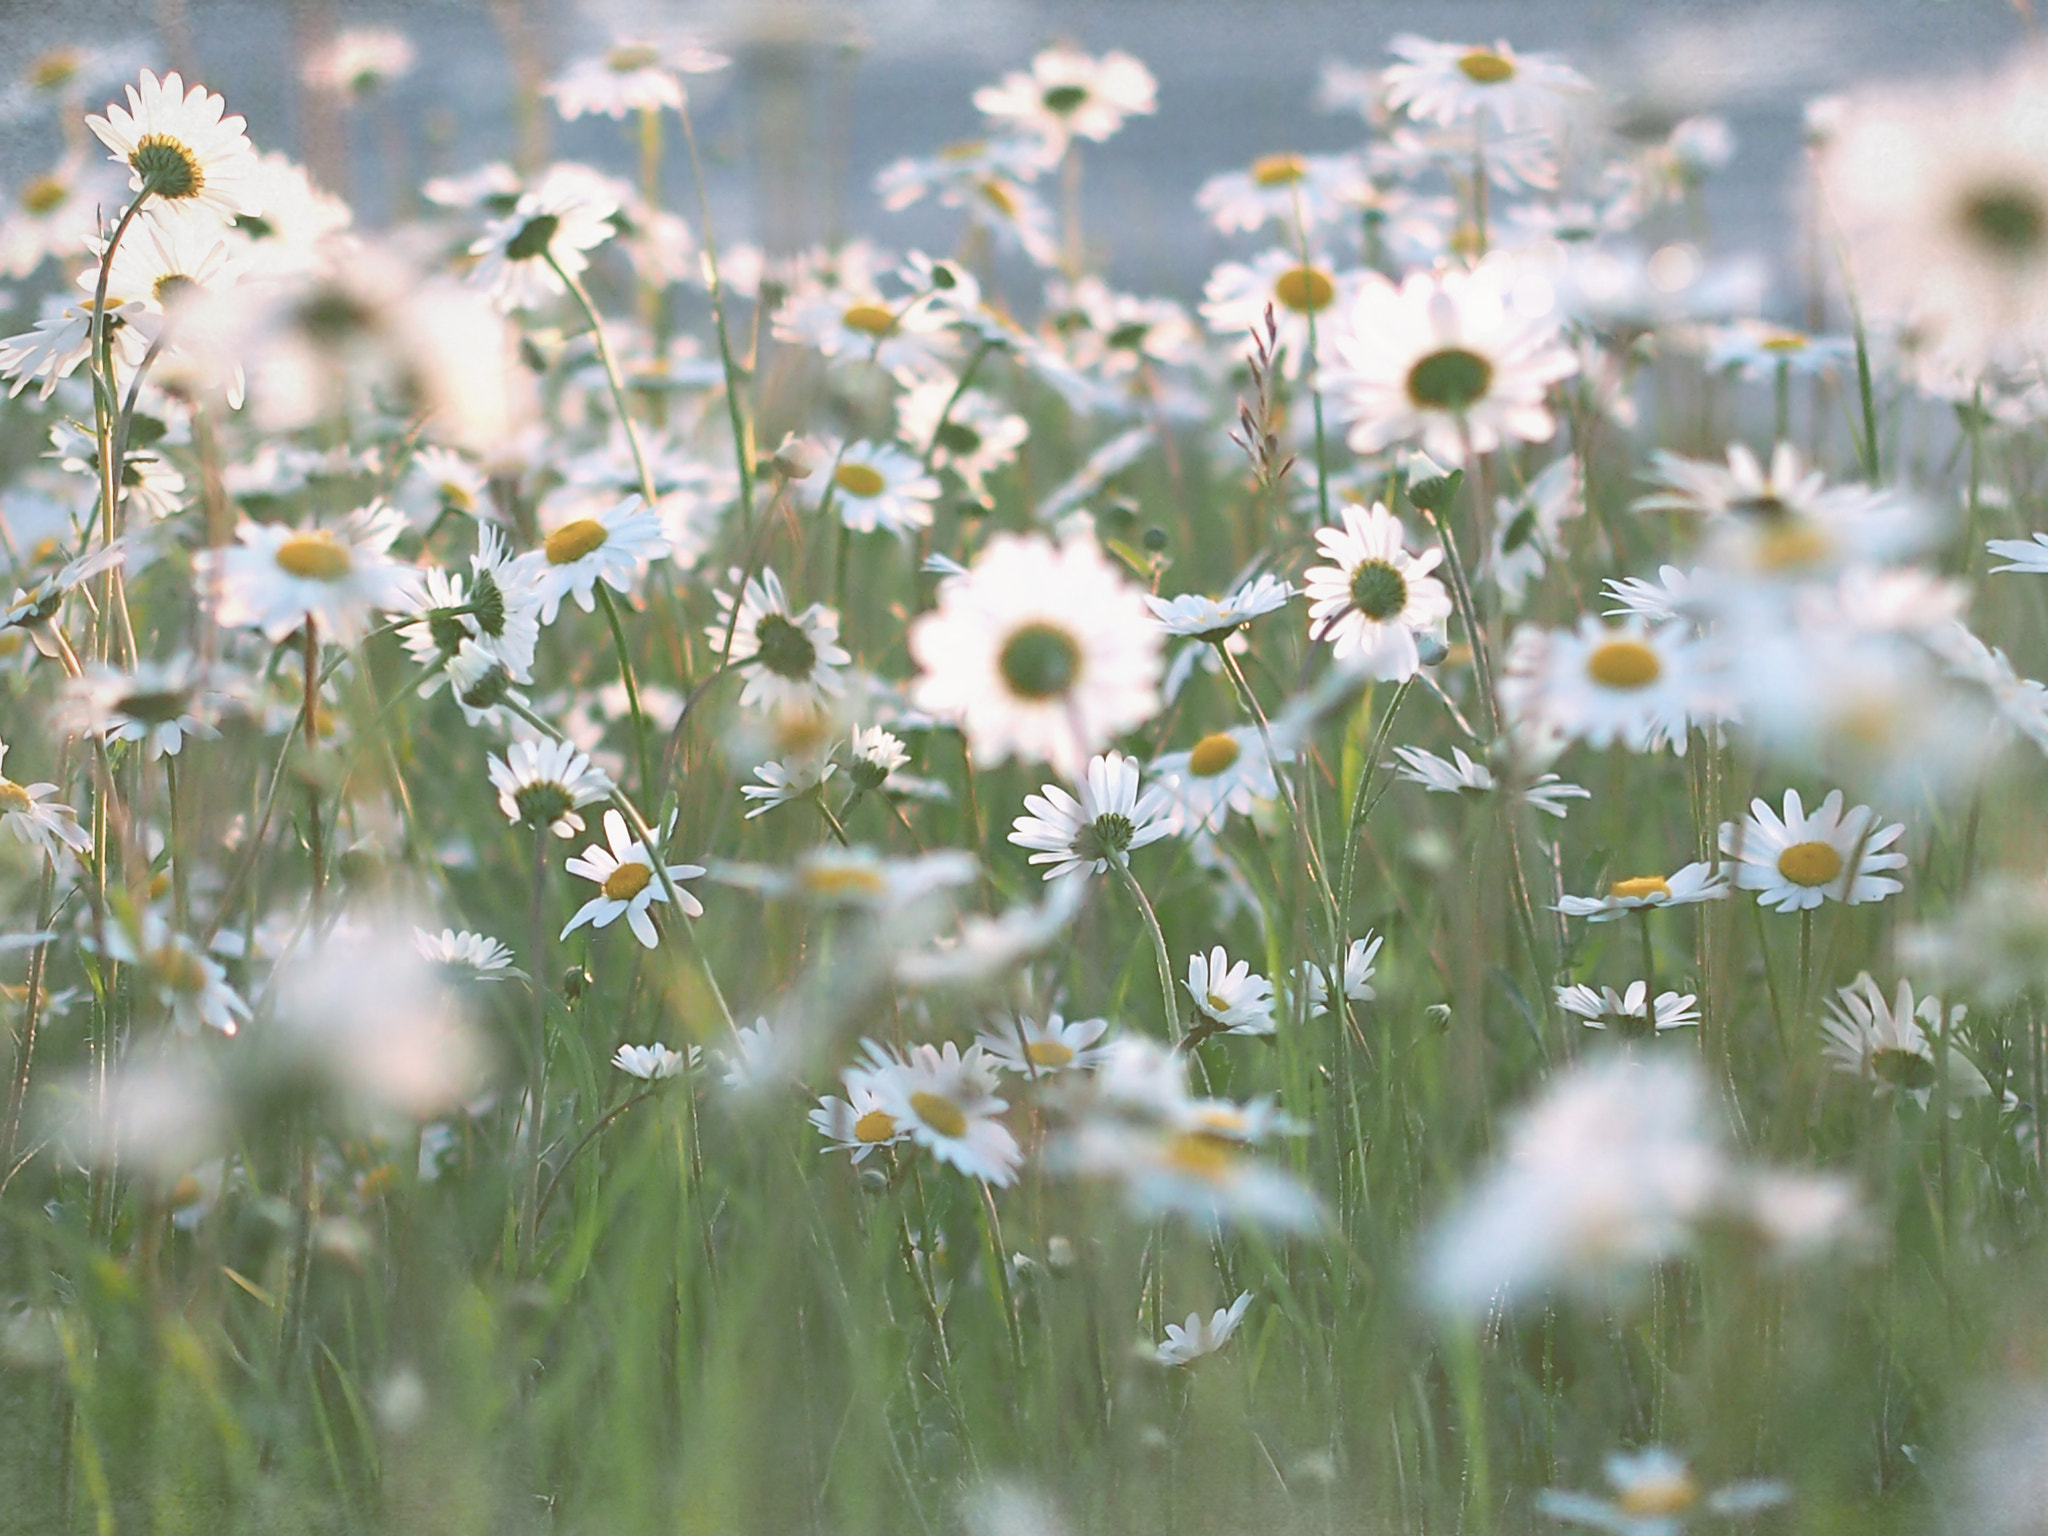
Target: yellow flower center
<point>45,194</point>
<point>178,969</point>
<point>1791,547</point>
<point>54,68</point>
<point>1624,664</point>
<point>572,541</point>
<point>940,1113</point>
<point>1810,864</point>
<point>1201,1157</point>
<point>1213,754</point>
<point>1669,1494</point>
<point>999,197</point>
<point>1482,66</point>
<point>627,881</point>
<point>315,556</point>
<point>876,1125</point>
<point>1641,886</point>
<point>13,797</point>
<point>1784,341</point>
<point>835,880</point>
<point>1304,289</point>
<point>868,319</point>
<point>631,56</point>
<point>862,480</point>
<point>1048,1053</point>
<point>1217,1003</point>
<point>1278,170</point>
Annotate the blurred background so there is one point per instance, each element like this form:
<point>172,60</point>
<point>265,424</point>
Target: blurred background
<point>825,92</point>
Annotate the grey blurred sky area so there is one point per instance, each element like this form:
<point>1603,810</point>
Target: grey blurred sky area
<point>825,92</point>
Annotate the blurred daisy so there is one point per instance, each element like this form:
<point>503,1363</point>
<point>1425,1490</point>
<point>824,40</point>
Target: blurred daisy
<point>1237,296</point>
<point>1185,1343</point>
<point>1528,529</point>
<point>1759,350</point>
<point>990,947</point>
<point>278,578</point>
<point>1090,834</point>
<point>545,784</point>
<point>614,547</point>
<point>874,486</point>
<point>653,1063</point>
<point>968,433</point>
<point>1629,684</point>
<point>62,339</point>
<point>1223,772</point>
<point>549,227</point>
<point>358,60</point>
<point>1693,883</point>
<point>946,1102</point>
<point>1229,999</point>
<point>1041,652</point>
<point>1069,95</point>
<point>1461,776</point>
<point>627,77</point>
<point>1361,963</point>
<point>1655,1495</point>
<point>54,214</point>
<point>1300,193</point>
<point>787,659</point>
<point>1455,84</point>
<point>758,1060</point>
<point>1890,1044</point>
<point>179,149</point>
<point>1369,605</point>
<point>1797,862</point>
<point>465,956</point>
<point>987,180</point>
<point>2028,554</point>
<point>1171,1168</point>
<point>1630,1013</point>
<point>1034,1048</point>
<point>784,779</point>
<point>626,883</point>
<point>1446,360</point>
<point>182,977</point>
<point>158,704</point>
<point>1215,619</point>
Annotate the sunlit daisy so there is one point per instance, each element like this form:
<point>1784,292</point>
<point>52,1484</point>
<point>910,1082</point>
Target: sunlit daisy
<point>179,149</point>
<point>1693,883</point>
<point>627,77</point>
<point>465,956</point>
<point>627,884</point>
<point>1223,772</point>
<point>874,486</point>
<point>1034,1048</point>
<point>543,784</point>
<point>1888,1044</point>
<point>946,1102</point>
<point>551,226</point>
<point>278,578</point>
<point>1185,1343</point>
<point>1300,193</point>
<point>1215,619</point>
<point>359,60</point>
<point>653,1063</point>
<point>1370,604</point>
<point>62,339</point>
<point>858,1125</point>
<point>497,610</point>
<point>1237,296</point>
<point>1229,999</point>
<point>183,978</point>
<point>158,704</point>
<point>1797,862</point>
<point>788,659</point>
<point>614,547</point>
<point>30,814</point>
<point>1091,834</point>
<point>1454,84</point>
<point>968,433</point>
<point>1629,1013</point>
<point>1070,95</point>
<point>1631,684</point>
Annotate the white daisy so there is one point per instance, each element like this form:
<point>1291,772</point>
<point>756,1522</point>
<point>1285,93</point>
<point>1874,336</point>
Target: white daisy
<point>1628,1013</point>
<point>2028,554</point>
<point>1361,963</point>
<point>1215,619</point>
<point>1370,604</point>
<point>784,779</point>
<point>1089,835</point>
<point>946,1102</point>
<point>183,978</point>
<point>1229,999</point>
<point>1888,1045</point>
<point>62,339</point>
<point>873,755</point>
<point>1300,193</point>
<point>1655,1494</point>
<point>990,947</point>
<point>1446,359</point>
<point>654,1063</point>
<point>759,1058</point>
<point>1461,776</point>
<point>158,704</point>
<point>358,60</point>
<point>874,486</point>
<point>1223,772</point>
<point>1237,296</point>
<point>614,547</point>
<point>551,226</point>
<point>498,609</point>
<point>54,214</point>
<point>1630,684</point>
<point>837,308</point>
<point>545,783</point>
<point>627,884</point>
<point>1528,529</point>
<point>627,77</point>
<point>464,956</point>
<point>788,659</point>
<point>858,1124</point>
<point>1188,1342</point>
<point>278,578</point>
<point>1759,350</point>
<point>968,433</point>
<point>1033,1048</point>
<point>1693,883</point>
<point>1068,95</point>
<point>179,149</point>
<point>1456,84</point>
<point>1041,652</point>
<point>1797,862</point>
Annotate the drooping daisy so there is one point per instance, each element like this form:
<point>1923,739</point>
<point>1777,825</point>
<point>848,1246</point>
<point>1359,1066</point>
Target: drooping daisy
<point>179,149</point>
<point>1655,1494</point>
<point>945,1100</point>
<point>1370,604</point>
<point>1797,862</point>
<point>788,659</point>
<point>1099,830</point>
<point>1194,616</point>
<point>1629,1013</point>
<point>1229,999</point>
<point>874,486</point>
<point>1693,883</point>
<point>465,956</point>
<point>1456,84</point>
<point>551,226</point>
<point>1238,295</point>
<point>1185,1343</point>
<point>1445,360</point>
<point>1361,963</point>
<point>545,784</point>
<point>62,339</point>
<point>498,610</point>
<point>158,704</point>
<point>627,884</point>
<point>1888,1044</point>
<point>873,755</point>
<point>654,1063</point>
<point>1034,1048</point>
<point>1639,686</point>
<point>1547,792</point>
<point>614,547</point>
<point>279,578</point>
<point>1041,652</point>
<point>1223,772</point>
<point>1070,95</point>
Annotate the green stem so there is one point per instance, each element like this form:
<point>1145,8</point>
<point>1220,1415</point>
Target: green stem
<point>1159,953</point>
<point>611,617</point>
<point>612,380</point>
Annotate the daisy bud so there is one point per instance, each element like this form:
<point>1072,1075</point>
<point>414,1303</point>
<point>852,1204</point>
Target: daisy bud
<point>796,458</point>
<point>1437,492</point>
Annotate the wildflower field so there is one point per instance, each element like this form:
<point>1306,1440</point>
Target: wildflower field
<point>657,886</point>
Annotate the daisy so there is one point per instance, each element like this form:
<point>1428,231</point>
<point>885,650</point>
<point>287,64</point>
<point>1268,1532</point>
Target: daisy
<point>1034,1049</point>
<point>1360,964</point>
<point>654,1063</point>
<point>859,878</point>
<point>987,180</point>
<point>784,779</point>
<point>439,480</point>
<point>1069,95</point>
<point>1527,531</point>
<point>874,754</point>
<point>549,227</point>
<point>628,77</point>
<point>183,977</point>
<point>1890,1044</point>
<point>1041,652</point>
<point>179,149</point>
<point>357,61</point>
<point>1455,84</point>
<point>1693,883</point>
<point>1796,863</point>
<point>55,214</point>
<point>759,1058</point>
<point>1089,835</point>
<point>1215,619</point>
<point>1369,605</point>
<point>1170,1166</point>
<point>626,884</point>
<point>157,704</point>
<point>45,826</point>
<point>788,659</point>
<point>498,610</point>
<point>945,1101</point>
<point>1628,1014</point>
<point>545,784</point>
<point>1546,792</point>
<point>989,947</point>
<point>1782,519</point>
<point>1447,359</point>
<point>279,579</point>
<point>1237,297</point>
<point>1759,350</point>
<point>966,431</point>
<point>614,547</point>
<point>1188,1342</point>
<point>1229,999</point>
<point>1300,193</point>
<point>62,339</point>
<point>465,956</point>
<point>1223,772</point>
<point>837,308</point>
<point>2028,554</point>
<point>874,486</point>
<point>1655,1494</point>
<point>1629,684</point>
<point>858,1124</point>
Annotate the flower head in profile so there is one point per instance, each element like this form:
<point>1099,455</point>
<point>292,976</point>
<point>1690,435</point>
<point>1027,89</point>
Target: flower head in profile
<point>179,149</point>
<point>1797,861</point>
<point>1891,1043</point>
<point>1636,893</point>
<point>627,884</point>
<point>1546,792</point>
<point>1193,616</point>
<point>359,60</point>
<point>159,704</point>
<point>465,956</point>
<point>1090,834</point>
<point>1044,1047</point>
<point>1375,596</point>
<point>629,76</point>
<point>1629,1014</point>
<point>1453,85</point>
<point>30,814</point>
<point>545,784</point>
<point>1185,1343</point>
<point>1361,962</point>
<point>654,1063</point>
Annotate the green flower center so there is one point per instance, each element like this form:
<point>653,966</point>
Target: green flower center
<point>160,707</point>
<point>487,602</point>
<point>2008,221</point>
<point>488,691</point>
<point>1450,380</point>
<point>783,647</point>
<point>1106,837</point>
<point>1902,1068</point>
<point>1064,98</point>
<point>543,804</point>
<point>1040,661</point>
<point>531,242</point>
<point>1378,590</point>
<point>959,438</point>
<point>167,168</point>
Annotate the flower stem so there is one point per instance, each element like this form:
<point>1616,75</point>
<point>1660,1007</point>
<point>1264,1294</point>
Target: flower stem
<point>612,379</point>
<point>611,617</point>
<point>1159,954</point>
